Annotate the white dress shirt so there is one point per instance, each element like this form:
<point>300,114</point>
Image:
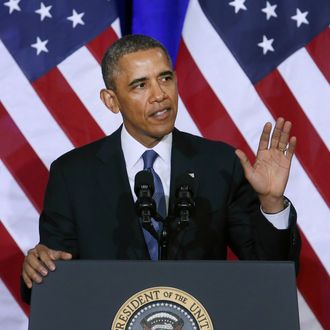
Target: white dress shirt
<point>133,151</point>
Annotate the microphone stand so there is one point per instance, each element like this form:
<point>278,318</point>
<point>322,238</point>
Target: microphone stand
<point>163,240</point>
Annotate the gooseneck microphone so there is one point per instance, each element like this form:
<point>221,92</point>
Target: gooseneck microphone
<point>184,205</point>
<point>145,206</point>
<point>144,188</point>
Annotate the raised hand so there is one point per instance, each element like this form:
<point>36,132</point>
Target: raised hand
<point>270,172</point>
<point>39,261</point>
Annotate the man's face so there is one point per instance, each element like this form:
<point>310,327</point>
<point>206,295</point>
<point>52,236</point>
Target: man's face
<point>146,95</point>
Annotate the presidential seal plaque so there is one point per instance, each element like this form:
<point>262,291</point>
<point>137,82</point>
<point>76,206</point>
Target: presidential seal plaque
<point>162,308</point>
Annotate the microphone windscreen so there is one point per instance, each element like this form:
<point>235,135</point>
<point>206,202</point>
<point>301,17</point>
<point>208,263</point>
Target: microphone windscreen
<point>186,181</point>
<point>143,178</point>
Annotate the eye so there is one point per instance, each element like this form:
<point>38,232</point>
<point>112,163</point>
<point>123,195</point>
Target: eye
<point>140,85</point>
<point>166,78</point>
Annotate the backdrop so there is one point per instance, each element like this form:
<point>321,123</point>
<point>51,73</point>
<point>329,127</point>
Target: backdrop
<point>239,63</point>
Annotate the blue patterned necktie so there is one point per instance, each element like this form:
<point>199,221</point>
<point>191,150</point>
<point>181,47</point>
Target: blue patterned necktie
<point>149,158</point>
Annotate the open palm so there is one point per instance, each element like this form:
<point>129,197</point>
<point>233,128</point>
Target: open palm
<point>270,172</point>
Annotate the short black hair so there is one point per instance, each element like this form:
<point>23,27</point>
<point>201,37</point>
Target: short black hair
<point>126,45</point>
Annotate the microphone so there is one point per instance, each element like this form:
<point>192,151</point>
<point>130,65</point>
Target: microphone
<point>184,205</point>
<point>144,188</point>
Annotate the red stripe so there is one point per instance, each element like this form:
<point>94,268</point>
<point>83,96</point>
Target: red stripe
<point>21,160</point>
<point>204,107</point>
<point>311,151</point>
<point>11,260</point>
<point>314,284</point>
<point>100,44</point>
<point>319,50</point>
<point>187,73</point>
<point>67,109</point>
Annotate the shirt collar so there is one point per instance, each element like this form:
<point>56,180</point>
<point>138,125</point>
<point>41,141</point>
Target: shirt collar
<point>133,150</point>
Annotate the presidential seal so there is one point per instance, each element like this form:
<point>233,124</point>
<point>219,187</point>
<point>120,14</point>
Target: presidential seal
<point>162,308</point>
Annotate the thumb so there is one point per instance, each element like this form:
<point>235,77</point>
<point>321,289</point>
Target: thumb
<point>247,167</point>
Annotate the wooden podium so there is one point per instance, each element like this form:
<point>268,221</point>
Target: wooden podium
<point>138,295</point>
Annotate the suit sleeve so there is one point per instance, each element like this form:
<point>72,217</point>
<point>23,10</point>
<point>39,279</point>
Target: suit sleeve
<point>251,235</point>
<point>57,227</point>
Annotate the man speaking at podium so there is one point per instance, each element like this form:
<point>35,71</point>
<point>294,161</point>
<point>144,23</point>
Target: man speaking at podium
<point>89,210</point>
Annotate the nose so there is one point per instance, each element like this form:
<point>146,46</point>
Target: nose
<point>157,93</point>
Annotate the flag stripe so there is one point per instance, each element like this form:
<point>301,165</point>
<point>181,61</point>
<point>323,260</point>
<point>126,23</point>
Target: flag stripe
<point>12,317</point>
<point>79,69</point>
<point>224,75</point>
<point>184,121</point>
<point>29,113</point>
<point>310,205</point>
<point>311,90</point>
<point>100,44</point>
<point>319,49</point>
<point>313,283</point>
<point>307,319</point>
<point>199,97</point>
<point>21,160</point>
<point>67,109</point>
<point>17,212</point>
<point>11,260</point>
<point>311,148</point>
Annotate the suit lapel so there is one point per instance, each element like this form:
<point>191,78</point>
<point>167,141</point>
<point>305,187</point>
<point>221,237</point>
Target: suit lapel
<point>182,162</point>
<point>113,180</point>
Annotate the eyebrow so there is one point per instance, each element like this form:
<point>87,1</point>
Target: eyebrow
<point>143,79</point>
<point>166,73</point>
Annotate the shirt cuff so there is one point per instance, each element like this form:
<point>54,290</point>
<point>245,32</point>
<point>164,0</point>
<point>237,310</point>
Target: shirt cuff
<point>279,220</point>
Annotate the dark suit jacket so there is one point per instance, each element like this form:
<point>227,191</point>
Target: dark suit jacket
<point>89,209</point>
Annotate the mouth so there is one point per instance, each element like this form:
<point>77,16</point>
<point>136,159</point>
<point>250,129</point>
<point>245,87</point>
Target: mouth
<point>161,114</point>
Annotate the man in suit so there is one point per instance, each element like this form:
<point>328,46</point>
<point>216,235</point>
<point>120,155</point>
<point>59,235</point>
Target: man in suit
<point>89,204</point>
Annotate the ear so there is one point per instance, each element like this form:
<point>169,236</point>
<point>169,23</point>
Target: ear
<point>109,98</point>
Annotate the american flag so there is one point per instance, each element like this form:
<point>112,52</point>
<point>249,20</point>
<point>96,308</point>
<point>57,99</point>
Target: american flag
<point>239,63</point>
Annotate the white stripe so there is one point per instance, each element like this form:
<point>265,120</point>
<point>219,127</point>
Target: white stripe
<point>226,78</point>
<point>116,27</point>
<point>313,213</point>
<point>16,212</point>
<point>306,317</point>
<point>311,90</point>
<point>11,315</point>
<point>249,114</point>
<point>28,112</point>
<point>184,121</point>
<point>83,73</point>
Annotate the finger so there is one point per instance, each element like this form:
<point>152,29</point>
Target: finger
<point>31,261</point>
<point>32,274</point>
<point>284,138</point>
<point>60,255</point>
<point>264,138</point>
<point>291,148</point>
<point>247,167</point>
<point>46,257</point>
<point>53,255</point>
<point>277,133</point>
<point>27,280</point>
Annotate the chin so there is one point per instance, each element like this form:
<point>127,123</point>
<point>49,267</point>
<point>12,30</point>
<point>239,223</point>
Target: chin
<point>164,131</point>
